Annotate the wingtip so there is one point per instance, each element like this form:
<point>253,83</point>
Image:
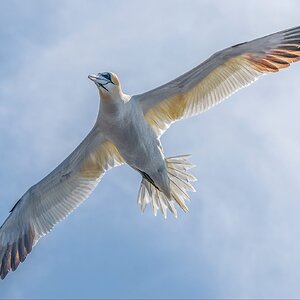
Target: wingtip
<point>11,255</point>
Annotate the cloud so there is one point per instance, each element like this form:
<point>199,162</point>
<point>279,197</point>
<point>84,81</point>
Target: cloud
<point>240,238</point>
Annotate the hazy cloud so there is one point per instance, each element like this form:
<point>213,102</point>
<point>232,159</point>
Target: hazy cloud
<point>240,238</point>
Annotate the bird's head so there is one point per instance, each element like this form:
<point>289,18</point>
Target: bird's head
<point>107,83</point>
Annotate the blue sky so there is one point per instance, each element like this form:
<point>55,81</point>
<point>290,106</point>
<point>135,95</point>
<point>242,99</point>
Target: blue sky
<point>241,236</point>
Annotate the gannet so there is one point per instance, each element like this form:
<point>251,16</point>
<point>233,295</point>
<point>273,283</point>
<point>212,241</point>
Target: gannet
<point>128,130</point>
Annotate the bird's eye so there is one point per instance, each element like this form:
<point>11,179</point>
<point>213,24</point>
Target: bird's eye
<point>107,76</point>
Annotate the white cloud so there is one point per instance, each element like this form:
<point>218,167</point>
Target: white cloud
<point>240,238</point>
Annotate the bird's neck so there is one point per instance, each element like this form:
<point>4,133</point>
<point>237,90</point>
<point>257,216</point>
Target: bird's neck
<point>112,105</point>
<point>113,95</point>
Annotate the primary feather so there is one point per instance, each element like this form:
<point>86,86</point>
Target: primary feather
<point>53,198</point>
<point>218,77</point>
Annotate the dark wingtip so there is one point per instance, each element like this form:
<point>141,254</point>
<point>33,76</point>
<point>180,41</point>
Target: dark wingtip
<point>12,254</point>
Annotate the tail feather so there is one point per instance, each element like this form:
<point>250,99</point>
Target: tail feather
<point>179,183</point>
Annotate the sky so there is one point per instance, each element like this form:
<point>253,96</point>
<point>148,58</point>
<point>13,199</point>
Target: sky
<point>241,236</point>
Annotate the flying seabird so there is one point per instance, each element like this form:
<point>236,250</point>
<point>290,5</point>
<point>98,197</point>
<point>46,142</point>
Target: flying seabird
<point>128,130</point>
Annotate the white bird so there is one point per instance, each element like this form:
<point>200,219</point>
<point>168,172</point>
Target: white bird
<point>128,130</point>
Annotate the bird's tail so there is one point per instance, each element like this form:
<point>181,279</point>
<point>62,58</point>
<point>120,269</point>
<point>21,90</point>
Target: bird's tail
<point>179,184</point>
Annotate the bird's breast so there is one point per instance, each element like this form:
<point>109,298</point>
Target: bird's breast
<point>135,140</point>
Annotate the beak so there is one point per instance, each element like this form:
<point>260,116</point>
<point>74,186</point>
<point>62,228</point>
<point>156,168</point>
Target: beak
<point>100,81</point>
<point>93,77</point>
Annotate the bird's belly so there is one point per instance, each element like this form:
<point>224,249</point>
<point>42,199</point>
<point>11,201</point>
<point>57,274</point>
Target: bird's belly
<point>136,153</point>
<point>138,149</point>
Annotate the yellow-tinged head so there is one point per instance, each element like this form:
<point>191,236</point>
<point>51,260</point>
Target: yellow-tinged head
<point>107,83</point>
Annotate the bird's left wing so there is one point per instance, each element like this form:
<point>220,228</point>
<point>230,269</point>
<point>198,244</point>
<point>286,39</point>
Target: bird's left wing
<point>218,77</point>
<point>54,197</point>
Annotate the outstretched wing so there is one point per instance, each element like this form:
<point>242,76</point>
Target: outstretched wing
<point>54,197</point>
<point>217,78</point>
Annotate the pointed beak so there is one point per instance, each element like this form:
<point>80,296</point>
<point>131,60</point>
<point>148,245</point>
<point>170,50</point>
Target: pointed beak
<point>93,77</point>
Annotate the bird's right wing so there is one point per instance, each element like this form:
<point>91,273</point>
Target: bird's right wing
<point>54,197</point>
<point>218,77</point>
